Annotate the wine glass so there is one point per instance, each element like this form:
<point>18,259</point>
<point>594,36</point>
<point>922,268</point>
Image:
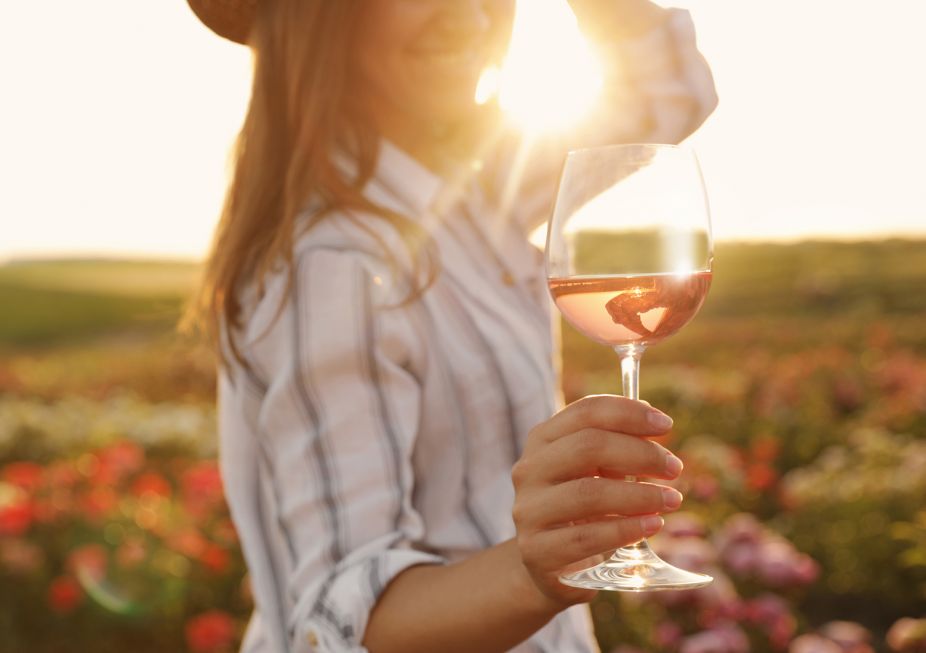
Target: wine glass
<point>628,258</point>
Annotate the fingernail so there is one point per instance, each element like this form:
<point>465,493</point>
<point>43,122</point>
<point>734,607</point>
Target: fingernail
<point>659,420</point>
<point>671,499</point>
<point>673,465</point>
<point>651,524</point>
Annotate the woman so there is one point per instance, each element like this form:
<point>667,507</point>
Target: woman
<point>385,333</point>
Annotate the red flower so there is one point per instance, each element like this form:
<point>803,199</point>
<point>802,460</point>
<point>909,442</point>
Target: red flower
<point>64,594</point>
<point>765,448</point>
<point>61,474</point>
<point>118,461</point>
<point>760,476</point>
<point>151,483</point>
<point>125,455</point>
<point>202,488</point>
<point>188,542</point>
<point>224,532</point>
<point>15,518</point>
<point>98,502</point>
<point>215,558</point>
<point>210,632</point>
<point>26,475</point>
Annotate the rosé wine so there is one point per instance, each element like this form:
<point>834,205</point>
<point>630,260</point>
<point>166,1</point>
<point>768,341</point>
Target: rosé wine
<point>627,310</point>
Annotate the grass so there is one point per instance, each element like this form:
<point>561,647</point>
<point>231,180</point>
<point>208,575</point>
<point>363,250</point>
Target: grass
<point>51,302</point>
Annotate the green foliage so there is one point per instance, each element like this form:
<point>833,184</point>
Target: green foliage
<point>858,509</point>
<point>46,302</point>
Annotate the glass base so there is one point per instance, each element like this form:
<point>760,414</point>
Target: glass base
<point>635,568</point>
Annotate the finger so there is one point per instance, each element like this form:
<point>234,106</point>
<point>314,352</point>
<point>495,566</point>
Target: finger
<point>593,497</point>
<point>594,452</point>
<point>552,550</point>
<point>606,412</point>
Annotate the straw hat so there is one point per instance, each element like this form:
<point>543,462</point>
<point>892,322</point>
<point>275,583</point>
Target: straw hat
<point>231,19</point>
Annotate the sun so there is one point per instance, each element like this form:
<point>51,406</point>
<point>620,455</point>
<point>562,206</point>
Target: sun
<point>550,76</point>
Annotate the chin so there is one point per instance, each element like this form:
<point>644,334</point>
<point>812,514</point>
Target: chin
<point>448,108</point>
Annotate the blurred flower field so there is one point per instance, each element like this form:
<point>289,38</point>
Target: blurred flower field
<point>799,398</point>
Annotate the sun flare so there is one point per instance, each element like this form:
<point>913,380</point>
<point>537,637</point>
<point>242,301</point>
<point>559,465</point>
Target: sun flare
<point>550,77</point>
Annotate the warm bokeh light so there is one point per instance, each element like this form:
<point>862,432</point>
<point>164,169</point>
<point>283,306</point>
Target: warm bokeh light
<point>550,76</point>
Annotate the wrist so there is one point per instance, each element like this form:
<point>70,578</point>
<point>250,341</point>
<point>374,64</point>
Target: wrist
<point>534,599</point>
<point>615,20</point>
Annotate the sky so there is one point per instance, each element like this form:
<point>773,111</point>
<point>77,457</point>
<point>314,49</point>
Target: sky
<point>118,115</point>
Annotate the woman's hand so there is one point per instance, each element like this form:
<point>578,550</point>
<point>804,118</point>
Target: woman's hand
<point>572,505</point>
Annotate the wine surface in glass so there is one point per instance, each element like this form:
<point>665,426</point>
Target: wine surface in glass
<point>626,310</point>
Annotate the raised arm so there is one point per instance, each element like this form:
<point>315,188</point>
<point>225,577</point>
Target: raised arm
<point>658,88</point>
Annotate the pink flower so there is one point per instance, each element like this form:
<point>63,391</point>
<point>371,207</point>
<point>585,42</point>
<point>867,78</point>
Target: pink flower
<point>772,613</point>
<point>767,609</point>
<point>779,564</point>
<point>704,487</point>
<point>851,637</point>
<point>719,602</point>
<point>806,569</point>
<point>812,643</point>
<point>683,524</point>
<point>667,634</point>
<point>907,636</point>
<point>20,556</point>
<point>775,563</point>
<point>691,553</point>
<point>741,527</point>
<point>726,639</point>
<point>741,558</point>
<point>131,552</point>
<point>88,561</point>
<point>210,632</point>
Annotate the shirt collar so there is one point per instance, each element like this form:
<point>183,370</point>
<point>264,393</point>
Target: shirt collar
<point>408,182</point>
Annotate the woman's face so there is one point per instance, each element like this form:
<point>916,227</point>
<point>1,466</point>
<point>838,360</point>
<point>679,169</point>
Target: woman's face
<point>419,60</point>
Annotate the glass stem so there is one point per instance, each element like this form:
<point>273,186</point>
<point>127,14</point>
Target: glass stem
<point>630,374</point>
<point>630,383</point>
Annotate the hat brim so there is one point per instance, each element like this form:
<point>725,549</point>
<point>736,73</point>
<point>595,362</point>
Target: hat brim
<point>230,19</point>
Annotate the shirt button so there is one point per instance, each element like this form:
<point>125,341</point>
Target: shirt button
<point>313,638</point>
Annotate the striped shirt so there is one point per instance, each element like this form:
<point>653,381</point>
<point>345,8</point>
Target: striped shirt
<point>368,435</point>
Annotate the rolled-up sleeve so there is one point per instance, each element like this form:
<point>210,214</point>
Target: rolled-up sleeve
<point>668,78</point>
<point>339,418</point>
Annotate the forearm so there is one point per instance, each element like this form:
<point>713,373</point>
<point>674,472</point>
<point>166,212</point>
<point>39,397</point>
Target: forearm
<point>485,603</point>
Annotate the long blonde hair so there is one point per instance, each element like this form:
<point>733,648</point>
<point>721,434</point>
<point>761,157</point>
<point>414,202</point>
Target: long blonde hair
<point>300,112</point>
